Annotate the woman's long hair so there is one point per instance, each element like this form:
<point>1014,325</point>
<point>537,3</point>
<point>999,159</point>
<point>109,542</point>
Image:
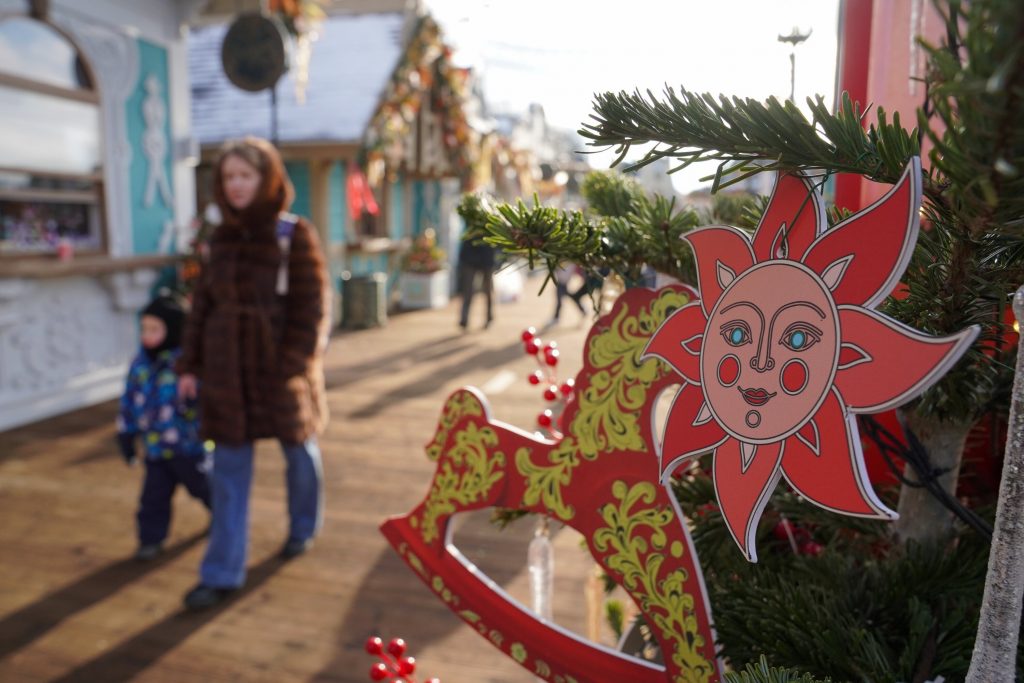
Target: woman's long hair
<point>275,193</point>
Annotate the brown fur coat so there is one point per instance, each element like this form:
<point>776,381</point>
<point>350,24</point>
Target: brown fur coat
<point>257,354</point>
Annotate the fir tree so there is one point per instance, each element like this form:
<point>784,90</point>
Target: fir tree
<point>965,265</point>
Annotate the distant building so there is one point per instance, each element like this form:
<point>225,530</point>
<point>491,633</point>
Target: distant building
<point>550,157</point>
<point>655,179</point>
<point>382,102</point>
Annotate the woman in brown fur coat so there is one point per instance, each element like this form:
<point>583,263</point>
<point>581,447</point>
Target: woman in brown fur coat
<point>254,342</point>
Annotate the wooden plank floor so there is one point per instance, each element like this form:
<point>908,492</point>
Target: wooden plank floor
<point>75,607</point>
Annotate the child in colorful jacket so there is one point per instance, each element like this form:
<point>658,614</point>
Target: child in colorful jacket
<point>169,428</point>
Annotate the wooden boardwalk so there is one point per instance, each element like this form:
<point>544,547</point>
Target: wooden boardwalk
<point>74,606</point>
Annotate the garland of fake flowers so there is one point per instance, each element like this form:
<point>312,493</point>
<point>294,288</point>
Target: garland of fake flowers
<point>424,73</point>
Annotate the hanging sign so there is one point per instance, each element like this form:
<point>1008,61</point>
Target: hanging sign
<point>254,53</point>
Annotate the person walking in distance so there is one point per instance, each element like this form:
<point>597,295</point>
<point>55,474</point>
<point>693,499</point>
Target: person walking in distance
<point>255,342</point>
<point>563,275</point>
<point>476,261</point>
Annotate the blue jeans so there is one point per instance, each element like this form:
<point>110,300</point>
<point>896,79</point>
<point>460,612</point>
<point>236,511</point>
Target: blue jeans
<point>224,563</point>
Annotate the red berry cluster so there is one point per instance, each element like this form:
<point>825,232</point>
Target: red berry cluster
<point>394,666</point>
<point>798,537</point>
<point>705,510</point>
<point>546,355</point>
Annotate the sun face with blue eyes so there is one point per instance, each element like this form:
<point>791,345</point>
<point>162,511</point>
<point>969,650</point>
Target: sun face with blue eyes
<point>785,348</point>
<point>768,360</point>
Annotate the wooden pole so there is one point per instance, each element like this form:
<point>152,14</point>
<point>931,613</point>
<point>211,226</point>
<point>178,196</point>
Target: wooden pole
<point>995,649</point>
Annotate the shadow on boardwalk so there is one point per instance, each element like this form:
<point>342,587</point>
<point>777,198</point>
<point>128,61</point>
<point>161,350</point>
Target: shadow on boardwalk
<point>412,606</point>
<point>486,359</point>
<point>138,653</point>
<point>33,621</point>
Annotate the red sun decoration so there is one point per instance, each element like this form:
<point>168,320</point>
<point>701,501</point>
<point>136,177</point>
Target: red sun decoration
<point>784,348</point>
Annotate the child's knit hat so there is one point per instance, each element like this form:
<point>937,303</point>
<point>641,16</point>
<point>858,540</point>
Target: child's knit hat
<point>171,312</point>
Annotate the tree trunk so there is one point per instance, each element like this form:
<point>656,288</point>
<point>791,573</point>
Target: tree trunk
<point>995,648</point>
<point>922,516</point>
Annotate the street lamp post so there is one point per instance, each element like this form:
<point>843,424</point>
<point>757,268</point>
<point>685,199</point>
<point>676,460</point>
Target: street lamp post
<point>794,39</point>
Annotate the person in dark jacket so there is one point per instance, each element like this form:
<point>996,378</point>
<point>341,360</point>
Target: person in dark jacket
<point>592,282</point>
<point>476,261</point>
<point>168,427</point>
<point>255,340</point>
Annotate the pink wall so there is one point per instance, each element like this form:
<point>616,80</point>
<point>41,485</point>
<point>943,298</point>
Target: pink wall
<point>852,78</point>
<point>896,60</point>
<point>893,60</point>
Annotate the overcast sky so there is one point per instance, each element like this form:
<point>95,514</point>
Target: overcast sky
<point>560,52</point>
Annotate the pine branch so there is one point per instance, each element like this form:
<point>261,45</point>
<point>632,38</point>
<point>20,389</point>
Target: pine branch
<point>475,209</point>
<point>624,232</point>
<point>976,93</point>
<point>763,673</point>
<point>611,194</point>
<point>541,233</point>
<point>736,132</point>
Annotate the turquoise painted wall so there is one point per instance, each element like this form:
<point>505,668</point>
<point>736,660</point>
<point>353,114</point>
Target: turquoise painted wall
<point>336,209</point>
<point>426,205</point>
<point>418,207</point>
<point>337,203</point>
<point>148,222</point>
<point>434,207</point>
<point>363,264</point>
<point>298,171</point>
<point>397,209</point>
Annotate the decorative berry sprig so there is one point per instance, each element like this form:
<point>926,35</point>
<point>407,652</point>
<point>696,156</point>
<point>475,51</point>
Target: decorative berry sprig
<point>394,666</point>
<point>799,538</point>
<point>555,393</point>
